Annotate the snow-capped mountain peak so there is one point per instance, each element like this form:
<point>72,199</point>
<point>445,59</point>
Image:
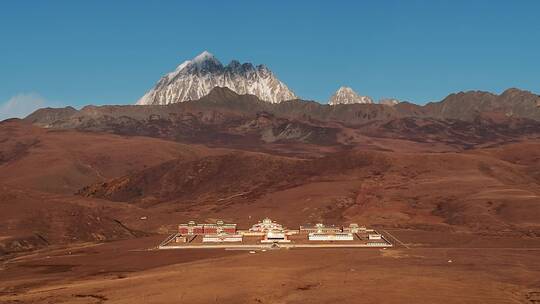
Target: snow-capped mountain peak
<point>195,78</point>
<point>346,95</point>
<point>205,55</point>
<point>205,61</point>
<point>389,101</point>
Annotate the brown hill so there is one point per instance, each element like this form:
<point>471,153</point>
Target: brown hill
<point>40,169</point>
<point>484,129</point>
<point>474,191</point>
<point>32,219</point>
<point>62,161</point>
<point>243,174</point>
<point>468,105</point>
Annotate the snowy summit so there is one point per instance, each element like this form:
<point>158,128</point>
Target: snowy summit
<point>346,95</point>
<point>195,78</point>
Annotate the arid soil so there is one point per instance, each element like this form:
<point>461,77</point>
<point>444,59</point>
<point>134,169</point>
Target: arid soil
<point>80,214</point>
<point>450,272</point>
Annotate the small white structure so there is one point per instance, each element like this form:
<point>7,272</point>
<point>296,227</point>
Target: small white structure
<point>378,244</point>
<point>374,237</point>
<point>266,225</point>
<point>222,238</point>
<point>340,236</point>
<point>275,236</point>
<point>354,228</point>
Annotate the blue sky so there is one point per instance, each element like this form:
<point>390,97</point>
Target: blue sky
<point>111,52</point>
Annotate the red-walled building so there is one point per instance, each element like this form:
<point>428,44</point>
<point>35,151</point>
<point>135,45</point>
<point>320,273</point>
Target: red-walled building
<point>190,228</point>
<point>217,228</point>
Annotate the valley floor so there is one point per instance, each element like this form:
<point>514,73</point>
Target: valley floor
<point>444,268</point>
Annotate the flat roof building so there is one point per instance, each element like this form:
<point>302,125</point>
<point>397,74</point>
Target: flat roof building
<point>275,236</point>
<point>192,228</point>
<point>374,237</point>
<point>339,236</point>
<point>222,238</point>
<point>319,228</point>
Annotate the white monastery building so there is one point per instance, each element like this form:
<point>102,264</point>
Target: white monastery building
<point>222,238</point>
<point>338,236</point>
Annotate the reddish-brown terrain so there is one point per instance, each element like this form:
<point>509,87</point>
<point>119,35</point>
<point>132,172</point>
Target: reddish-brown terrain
<point>83,200</point>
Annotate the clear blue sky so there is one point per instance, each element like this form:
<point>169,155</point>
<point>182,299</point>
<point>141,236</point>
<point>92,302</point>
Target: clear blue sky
<point>111,52</point>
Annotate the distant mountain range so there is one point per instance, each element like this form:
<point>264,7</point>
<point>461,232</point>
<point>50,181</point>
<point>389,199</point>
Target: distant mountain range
<point>239,104</point>
<point>195,78</point>
<point>225,118</point>
<point>466,106</point>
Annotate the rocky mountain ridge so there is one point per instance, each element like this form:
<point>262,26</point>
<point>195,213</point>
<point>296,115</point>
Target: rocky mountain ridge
<point>225,119</point>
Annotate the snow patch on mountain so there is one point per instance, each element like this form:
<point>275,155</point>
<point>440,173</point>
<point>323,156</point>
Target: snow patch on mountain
<point>389,101</point>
